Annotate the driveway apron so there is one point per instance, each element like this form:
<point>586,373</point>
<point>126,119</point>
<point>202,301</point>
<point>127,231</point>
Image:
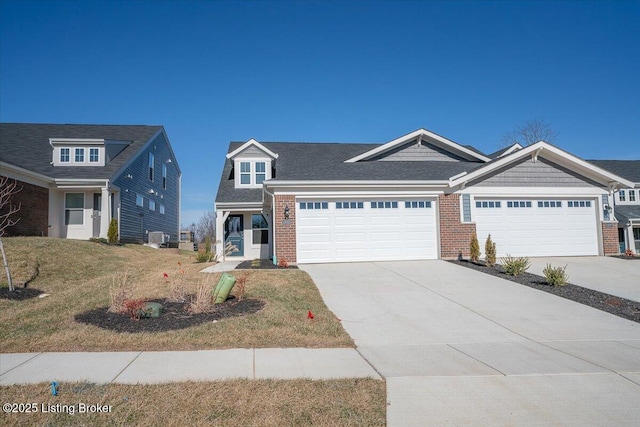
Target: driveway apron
<point>459,347</point>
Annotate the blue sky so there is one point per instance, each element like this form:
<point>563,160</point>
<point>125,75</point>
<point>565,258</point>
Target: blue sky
<point>325,71</point>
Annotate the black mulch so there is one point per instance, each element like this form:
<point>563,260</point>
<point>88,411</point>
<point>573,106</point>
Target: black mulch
<point>262,264</point>
<point>628,258</point>
<point>174,316</point>
<point>621,307</point>
<point>19,294</point>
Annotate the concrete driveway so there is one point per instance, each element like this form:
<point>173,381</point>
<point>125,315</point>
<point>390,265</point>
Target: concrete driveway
<point>614,276</point>
<point>459,347</point>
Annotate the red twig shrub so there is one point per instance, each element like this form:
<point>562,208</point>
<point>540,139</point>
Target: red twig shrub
<point>133,307</point>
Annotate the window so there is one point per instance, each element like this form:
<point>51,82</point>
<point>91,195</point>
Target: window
<point>261,173</point>
<point>94,155</point>
<point>139,200</point>
<point>161,209</point>
<point>632,195</point>
<point>579,203</point>
<point>79,157</point>
<point>260,229</point>
<point>73,209</point>
<point>164,176</point>
<point>622,196</point>
<point>152,161</point>
<point>314,205</point>
<point>519,204</point>
<point>152,205</point>
<point>489,204</point>
<point>384,205</point>
<point>550,204</point>
<point>245,173</point>
<point>64,155</point>
<point>417,204</point>
<point>349,205</point>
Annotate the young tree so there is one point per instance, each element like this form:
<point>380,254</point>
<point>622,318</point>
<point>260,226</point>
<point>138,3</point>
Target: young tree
<point>474,248</point>
<point>531,132</point>
<point>206,227</point>
<point>7,218</point>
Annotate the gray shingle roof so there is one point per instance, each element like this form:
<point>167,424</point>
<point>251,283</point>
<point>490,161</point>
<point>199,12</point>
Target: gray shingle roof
<point>325,162</point>
<point>626,212</point>
<point>629,169</point>
<point>26,145</point>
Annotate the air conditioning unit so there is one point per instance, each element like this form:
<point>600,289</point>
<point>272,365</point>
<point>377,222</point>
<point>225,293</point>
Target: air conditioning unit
<point>158,237</point>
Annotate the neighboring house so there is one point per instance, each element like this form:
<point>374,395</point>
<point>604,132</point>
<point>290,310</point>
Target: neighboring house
<point>627,202</point>
<point>420,196</point>
<point>75,178</point>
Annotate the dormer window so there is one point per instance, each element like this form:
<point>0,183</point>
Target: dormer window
<point>261,174</point>
<point>79,158</point>
<point>253,164</point>
<point>94,155</point>
<point>245,173</point>
<point>64,155</point>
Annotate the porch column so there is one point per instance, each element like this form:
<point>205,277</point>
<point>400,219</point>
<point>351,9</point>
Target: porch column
<point>628,231</point>
<point>220,234</point>
<point>105,212</point>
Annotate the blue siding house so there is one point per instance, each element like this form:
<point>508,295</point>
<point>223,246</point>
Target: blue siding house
<point>76,178</point>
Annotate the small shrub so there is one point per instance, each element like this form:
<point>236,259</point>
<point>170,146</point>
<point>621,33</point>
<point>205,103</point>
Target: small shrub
<point>201,303</point>
<point>555,276</point>
<point>490,252</point>
<point>629,252</point>
<point>283,263</point>
<point>98,240</point>
<point>241,287</point>
<point>178,289</point>
<point>112,234</point>
<point>133,308</point>
<point>119,292</point>
<point>474,248</point>
<point>515,266</point>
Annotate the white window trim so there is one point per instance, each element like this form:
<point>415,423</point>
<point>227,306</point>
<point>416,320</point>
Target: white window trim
<point>68,155</point>
<point>257,245</point>
<point>98,151</point>
<point>73,209</point>
<point>252,171</point>
<point>77,150</point>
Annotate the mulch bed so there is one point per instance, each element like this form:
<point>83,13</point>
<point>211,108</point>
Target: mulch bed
<point>628,258</point>
<point>262,264</point>
<point>19,294</point>
<point>620,307</point>
<point>174,316</point>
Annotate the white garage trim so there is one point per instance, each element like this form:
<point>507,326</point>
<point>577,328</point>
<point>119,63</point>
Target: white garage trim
<point>366,229</point>
<point>538,226</point>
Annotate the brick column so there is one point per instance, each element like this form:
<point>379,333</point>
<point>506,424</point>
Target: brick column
<point>610,244</point>
<point>455,236</point>
<point>285,229</point>
<point>33,213</point>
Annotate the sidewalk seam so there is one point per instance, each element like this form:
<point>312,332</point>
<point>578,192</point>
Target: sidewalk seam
<point>125,368</point>
<point>23,363</point>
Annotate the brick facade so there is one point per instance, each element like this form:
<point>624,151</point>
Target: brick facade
<point>455,236</point>
<point>610,238</point>
<point>285,230</point>
<point>33,213</point>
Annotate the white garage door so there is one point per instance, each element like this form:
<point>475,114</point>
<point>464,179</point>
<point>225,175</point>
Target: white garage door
<point>538,227</point>
<point>366,230</point>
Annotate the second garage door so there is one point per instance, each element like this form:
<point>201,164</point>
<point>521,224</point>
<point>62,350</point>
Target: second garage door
<point>366,230</point>
<point>538,227</point>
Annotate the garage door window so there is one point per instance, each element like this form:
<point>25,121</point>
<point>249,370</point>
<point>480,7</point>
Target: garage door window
<point>314,205</point>
<point>579,203</point>
<point>349,205</point>
<point>519,204</point>
<point>491,204</point>
<point>384,205</point>
<point>417,204</point>
<point>550,204</point>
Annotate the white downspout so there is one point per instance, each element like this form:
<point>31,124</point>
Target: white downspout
<point>273,223</point>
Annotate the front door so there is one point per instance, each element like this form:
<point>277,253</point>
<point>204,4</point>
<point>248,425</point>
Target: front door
<point>234,234</point>
<point>97,204</point>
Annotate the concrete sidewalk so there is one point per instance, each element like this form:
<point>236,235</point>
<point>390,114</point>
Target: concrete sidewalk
<point>151,367</point>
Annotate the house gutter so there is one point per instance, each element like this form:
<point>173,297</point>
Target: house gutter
<point>273,222</point>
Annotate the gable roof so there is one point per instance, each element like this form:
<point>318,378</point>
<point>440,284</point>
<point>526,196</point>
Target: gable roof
<point>550,152</point>
<point>249,143</point>
<point>440,141</point>
<point>627,213</point>
<point>630,169</point>
<point>26,145</point>
<point>504,151</point>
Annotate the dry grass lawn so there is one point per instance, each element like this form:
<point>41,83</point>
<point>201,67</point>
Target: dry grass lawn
<point>78,275</point>
<point>360,402</point>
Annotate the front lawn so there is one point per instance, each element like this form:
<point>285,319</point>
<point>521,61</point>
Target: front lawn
<point>77,275</point>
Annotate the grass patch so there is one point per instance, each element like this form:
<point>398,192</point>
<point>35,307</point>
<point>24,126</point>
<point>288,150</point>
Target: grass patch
<point>350,402</point>
<point>78,275</point>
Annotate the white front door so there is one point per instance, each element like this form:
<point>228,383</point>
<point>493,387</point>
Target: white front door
<point>356,229</point>
<point>537,226</point>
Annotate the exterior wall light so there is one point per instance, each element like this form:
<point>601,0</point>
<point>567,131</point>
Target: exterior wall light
<point>286,212</point>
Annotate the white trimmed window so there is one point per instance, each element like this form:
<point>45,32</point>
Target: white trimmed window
<point>245,173</point>
<point>152,205</point>
<point>260,229</point>
<point>139,200</point>
<point>261,172</point>
<point>73,209</point>
<point>64,155</point>
<point>622,196</point>
<point>632,195</point>
<point>152,161</point>
<point>94,155</point>
<point>79,155</point>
